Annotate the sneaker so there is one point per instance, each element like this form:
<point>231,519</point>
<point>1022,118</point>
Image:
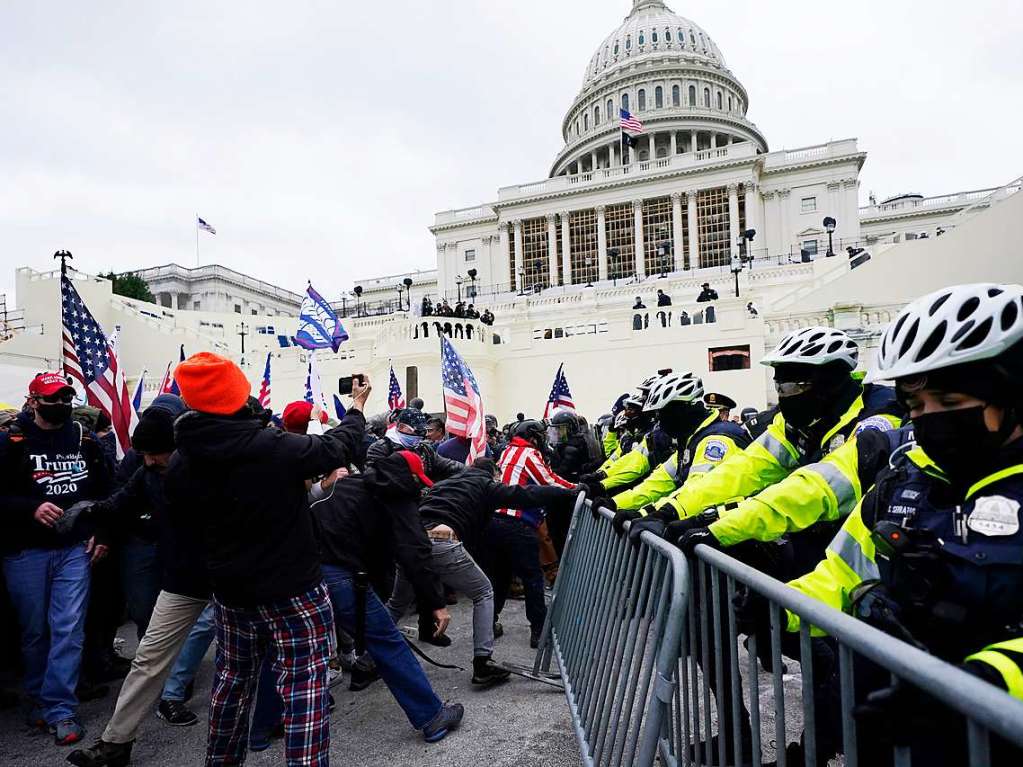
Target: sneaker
<point>102,754</point>
<point>261,741</point>
<point>534,636</point>
<point>498,630</point>
<point>67,732</point>
<point>176,714</point>
<point>447,719</point>
<point>486,672</point>
<point>362,677</point>
<point>334,677</point>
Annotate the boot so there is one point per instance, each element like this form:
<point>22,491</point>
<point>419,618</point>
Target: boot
<point>102,754</point>
<point>534,636</point>
<point>486,672</point>
<point>364,673</point>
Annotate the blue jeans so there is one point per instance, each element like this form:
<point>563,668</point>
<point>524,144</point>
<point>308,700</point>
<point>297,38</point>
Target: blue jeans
<point>141,574</point>
<point>394,661</point>
<point>190,658</point>
<point>50,590</point>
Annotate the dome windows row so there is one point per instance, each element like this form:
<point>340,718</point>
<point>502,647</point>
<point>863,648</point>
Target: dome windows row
<point>668,38</point>
<point>694,95</point>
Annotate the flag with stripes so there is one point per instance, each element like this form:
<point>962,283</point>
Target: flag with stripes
<point>314,385</point>
<point>168,385</point>
<point>204,226</point>
<point>318,325</point>
<point>560,397</point>
<point>395,399</point>
<point>89,359</point>
<point>264,387</point>
<point>462,401</point>
<point>630,122</point>
<point>136,398</point>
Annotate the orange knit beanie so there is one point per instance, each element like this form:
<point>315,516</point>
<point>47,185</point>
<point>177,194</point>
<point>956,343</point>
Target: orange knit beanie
<point>210,383</point>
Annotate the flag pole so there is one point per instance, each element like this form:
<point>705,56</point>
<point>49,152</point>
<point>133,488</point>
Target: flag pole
<point>197,240</point>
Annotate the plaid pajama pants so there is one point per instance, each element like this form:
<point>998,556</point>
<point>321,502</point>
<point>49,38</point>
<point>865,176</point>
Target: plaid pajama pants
<point>297,635</point>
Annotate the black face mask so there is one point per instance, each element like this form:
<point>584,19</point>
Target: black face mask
<point>800,410</point>
<point>680,420</point>
<point>57,414</point>
<point>958,441</point>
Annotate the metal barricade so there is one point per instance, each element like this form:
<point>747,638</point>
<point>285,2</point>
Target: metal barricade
<point>614,625</point>
<point>646,654</point>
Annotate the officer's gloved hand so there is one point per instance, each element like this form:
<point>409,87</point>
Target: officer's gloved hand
<point>654,521</point>
<point>872,603</point>
<point>675,530</point>
<point>599,503</point>
<point>66,522</point>
<point>693,538</point>
<point>752,613</point>
<point>618,523</point>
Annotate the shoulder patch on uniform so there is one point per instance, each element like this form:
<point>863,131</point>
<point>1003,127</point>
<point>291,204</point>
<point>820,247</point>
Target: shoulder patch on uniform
<point>874,423</point>
<point>714,450</point>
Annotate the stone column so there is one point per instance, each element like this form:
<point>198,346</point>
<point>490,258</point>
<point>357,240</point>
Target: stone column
<point>733,219</point>
<point>593,161</point>
<point>769,237</point>
<point>785,239</point>
<point>676,230</point>
<point>552,248</point>
<point>752,213</point>
<point>713,140</point>
<point>601,244</point>
<point>566,249</point>
<point>502,268</point>
<point>614,160</point>
<point>637,217</point>
<point>673,145</point>
<point>517,226</point>
<point>694,142</point>
<point>694,234</point>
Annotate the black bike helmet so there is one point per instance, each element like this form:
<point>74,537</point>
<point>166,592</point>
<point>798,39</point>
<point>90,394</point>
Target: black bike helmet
<point>530,430</point>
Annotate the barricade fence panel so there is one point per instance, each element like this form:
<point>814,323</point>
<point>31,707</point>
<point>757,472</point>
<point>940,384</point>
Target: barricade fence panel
<point>658,662</point>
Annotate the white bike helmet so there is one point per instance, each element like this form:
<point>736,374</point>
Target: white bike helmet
<point>952,326</point>
<point>674,387</point>
<point>817,345</point>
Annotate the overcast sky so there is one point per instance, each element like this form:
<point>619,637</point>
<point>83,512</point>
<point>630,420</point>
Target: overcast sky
<point>319,138</point>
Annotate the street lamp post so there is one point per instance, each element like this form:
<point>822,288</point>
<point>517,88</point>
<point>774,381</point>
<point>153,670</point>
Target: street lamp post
<point>358,303</point>
<point>612,256</point>
<point>407,282</point>
<point>243,330</point>
<point>739,262</point>
<point>472,276</point>
<point>589,271</point>
<point>829,227</point>
<point>458,282</point>
<point>522,282</point>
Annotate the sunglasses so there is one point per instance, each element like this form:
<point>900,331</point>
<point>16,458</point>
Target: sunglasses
<point>792,388</point>
<point>57,399</point>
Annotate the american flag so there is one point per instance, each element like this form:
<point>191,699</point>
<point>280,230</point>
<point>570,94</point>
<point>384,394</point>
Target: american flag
<point>462,401</point>
<point>560,397</point>
<point>395,399</point>
<point>630,123</point>
<point>89,359</point>
<point>264,387</point>
<point>204,226</point>
<point>168,385</point>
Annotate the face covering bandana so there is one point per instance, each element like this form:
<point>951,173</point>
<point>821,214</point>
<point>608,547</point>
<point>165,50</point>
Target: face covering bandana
<point>681,421</point>
<point>800,410</point>
<point>56,414</point>
<point>958,441</point>
<point>408,440</point>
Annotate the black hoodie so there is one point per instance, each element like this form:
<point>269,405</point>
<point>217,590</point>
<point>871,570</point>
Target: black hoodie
<point>246,485</point>
<point>370,523</point>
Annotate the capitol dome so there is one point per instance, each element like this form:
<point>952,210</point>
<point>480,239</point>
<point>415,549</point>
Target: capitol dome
<point>668,73</point>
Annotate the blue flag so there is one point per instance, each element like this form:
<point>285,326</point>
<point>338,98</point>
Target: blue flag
<point>318,324</point>
<point>339,408</point>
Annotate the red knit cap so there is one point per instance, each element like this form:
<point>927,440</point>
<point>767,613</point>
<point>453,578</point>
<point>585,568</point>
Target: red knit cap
<point>210,383</point>
<point>415,465</point>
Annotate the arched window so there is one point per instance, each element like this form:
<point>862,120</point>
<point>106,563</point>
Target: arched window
<point>675,96</point>
<point>681,37</point>
<point>729,103</point>
<point>616,47</point>
<point>658,97</point>
<point>642,38</point>
<point>720,103</point>
<point>641,100</point>
<point>577,126</point>
<point>692,95</point>
<point>628,42</point>
<point>610,109</point>
<point>653,36</point>
<point>706,97</point>
<point>625,101</point>
<point>586,118</point>
<point>692,39</point>
<point>596,116</point>
<point>667,34</point>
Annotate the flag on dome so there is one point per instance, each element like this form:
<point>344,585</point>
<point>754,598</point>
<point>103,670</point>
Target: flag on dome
<point>560,397</point>
<point>462,401</point>
<point>395,399</point>
<point>90,360</point>
<point>630,123</point>
<point>136,398</point>
<point>318,325</point>
<point>264,387</point>
<point>204,226</point>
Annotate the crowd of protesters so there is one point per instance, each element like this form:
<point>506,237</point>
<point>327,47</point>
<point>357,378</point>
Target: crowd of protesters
<point>292,543</point>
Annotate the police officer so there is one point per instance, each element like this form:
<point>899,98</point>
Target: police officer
<point>701,442</point>
<point>933,553</point>
<point>721,404</point>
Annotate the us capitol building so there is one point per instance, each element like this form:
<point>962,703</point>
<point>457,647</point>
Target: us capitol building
<point>698,197</point>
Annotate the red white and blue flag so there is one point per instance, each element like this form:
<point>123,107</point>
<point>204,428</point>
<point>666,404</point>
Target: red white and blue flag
<point>264,387</point>
<point>318,324</point>
<point>395,399</point>
<point>560,397</point>
<point>462,401</point>
<point>168,385</point>
<point>136,398</point>
<point>204,226</point>
<point>90,360</point>
<point>630,122</point>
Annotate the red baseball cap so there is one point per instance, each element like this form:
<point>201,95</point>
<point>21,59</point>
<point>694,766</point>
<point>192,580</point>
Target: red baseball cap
<point>48,384</point>
<point>415,465</point>
<point>296,416</point>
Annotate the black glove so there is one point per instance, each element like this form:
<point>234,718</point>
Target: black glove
<point>679,527</point>
<point>594,489</point>
<point>618,523</point>
<point>752,613</point>
<point>653,521</point>
<point>602,503</point>
<point>596,476</point>
<point>66,523</point>
<point>874,605</point>
<point>693,538</point>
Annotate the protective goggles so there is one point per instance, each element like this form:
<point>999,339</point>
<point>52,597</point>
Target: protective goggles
<point>792,388</point>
